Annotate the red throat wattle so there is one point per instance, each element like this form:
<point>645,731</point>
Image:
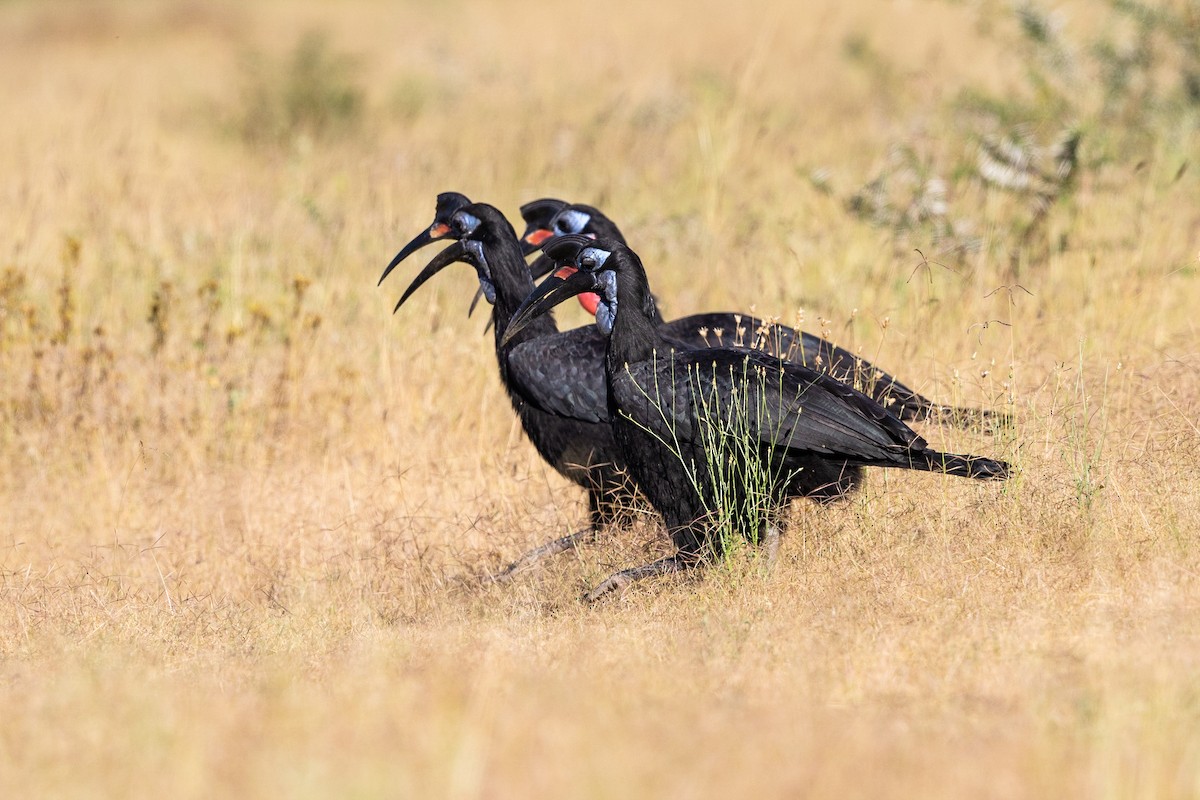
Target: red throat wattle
<point>590,301</point>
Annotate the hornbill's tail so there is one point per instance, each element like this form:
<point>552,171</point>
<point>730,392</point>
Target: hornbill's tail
<point>977,467</point>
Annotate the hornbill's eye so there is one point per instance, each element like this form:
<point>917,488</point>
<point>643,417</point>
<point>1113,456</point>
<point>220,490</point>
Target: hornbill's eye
<point>465,224</point>
<point>588,262</point>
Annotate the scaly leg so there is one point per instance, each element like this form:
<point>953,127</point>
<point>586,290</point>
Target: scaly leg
<point>550,548</point>
<point>676,563</point>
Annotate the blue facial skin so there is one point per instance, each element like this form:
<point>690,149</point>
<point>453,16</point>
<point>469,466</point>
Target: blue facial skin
<point>591,259</point>
<point>570,221</point>
<point>481,268</point>
<point>606,312</point>
<point>466,224</point>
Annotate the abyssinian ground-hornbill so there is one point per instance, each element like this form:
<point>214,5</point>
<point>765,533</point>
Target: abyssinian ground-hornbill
<point>554,379</point>
<point>695,426</point>
<point>549,218</point>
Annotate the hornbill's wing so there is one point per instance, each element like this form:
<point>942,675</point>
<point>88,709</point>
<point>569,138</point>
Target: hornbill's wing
<point>562,374</point>
<point>778,403</point>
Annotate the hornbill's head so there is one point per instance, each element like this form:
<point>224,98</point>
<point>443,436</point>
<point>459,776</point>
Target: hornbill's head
<point>538,215</point>
<point>567,219</point>
<point>573,218</point>
<point>581,264</point>
<point>470,224</point>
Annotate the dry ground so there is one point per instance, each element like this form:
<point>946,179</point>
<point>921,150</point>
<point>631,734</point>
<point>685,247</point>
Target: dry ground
<point>245,511</point>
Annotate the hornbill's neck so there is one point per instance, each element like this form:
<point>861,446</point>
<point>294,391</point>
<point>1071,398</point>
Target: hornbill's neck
<point>510,274</point>
<point>635,334</point>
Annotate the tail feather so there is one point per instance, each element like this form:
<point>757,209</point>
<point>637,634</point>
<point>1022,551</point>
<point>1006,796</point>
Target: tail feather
<point>913,407</point>
<point>977,467</point>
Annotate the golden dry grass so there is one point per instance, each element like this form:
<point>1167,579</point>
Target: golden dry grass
<point>243,532</point>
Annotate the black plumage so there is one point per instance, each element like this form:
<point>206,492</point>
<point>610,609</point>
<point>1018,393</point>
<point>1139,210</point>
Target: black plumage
<point>549,218</point>
<point>555,379</point>
<point>669,406</point>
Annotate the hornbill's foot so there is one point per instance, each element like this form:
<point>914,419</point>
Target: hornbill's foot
<point>676,563</point>
<point>550,548</point>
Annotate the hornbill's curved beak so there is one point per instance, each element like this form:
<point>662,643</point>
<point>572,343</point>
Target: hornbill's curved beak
<point>455,252</point>
<point>533,240</point>
<point>562,285</point>
<point>437,230</point>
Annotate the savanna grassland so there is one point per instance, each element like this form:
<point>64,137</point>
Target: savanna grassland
<point>247,515</point>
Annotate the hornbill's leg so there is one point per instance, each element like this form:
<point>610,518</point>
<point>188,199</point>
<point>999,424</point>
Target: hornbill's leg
<point>768,539</point>
<point>602,504</point>
<point>676,563</point>
<point>611,502</point>
<point>689,546</point>
<point>551,548</point>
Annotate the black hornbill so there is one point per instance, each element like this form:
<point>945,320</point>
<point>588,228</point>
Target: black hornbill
<point>554,379</point>
<point>694,426</point>
<point>549,218</point>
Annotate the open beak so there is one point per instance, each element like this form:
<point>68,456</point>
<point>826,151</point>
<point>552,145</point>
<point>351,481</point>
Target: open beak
<point>533,240</point>
<point>563,285</point>
<point>437,230</point>
<point>453,253</point>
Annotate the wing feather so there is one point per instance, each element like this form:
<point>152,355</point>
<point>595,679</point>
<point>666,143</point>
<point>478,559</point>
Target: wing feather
<point>562,374</point>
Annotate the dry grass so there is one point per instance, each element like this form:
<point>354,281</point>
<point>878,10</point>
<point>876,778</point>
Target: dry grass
<point>246,510</point>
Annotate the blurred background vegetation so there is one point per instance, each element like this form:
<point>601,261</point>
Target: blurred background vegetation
<point>246,508</point>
